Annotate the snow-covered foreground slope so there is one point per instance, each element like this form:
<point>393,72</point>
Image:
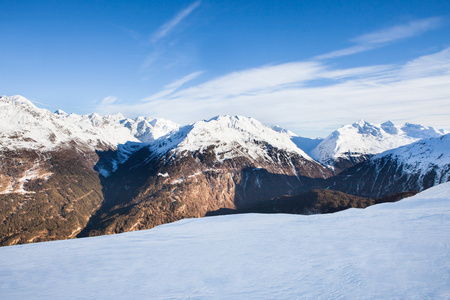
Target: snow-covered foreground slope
<point>396,251</point>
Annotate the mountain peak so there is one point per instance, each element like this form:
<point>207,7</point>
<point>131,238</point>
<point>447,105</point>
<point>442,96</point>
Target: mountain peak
<point>229,120</point>
<point>388,123</point>
<point>231,136</point>
<point>361,122</point>
<point>38,128</point>
<point>363,138</point>
<point>17,99</point>
<point>60,112</point>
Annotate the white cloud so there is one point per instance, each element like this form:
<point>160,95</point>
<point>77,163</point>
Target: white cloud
<point>167,27</point>
<point>176,84</point>
<point>311,98</point>
<point>108,100</point>
<point>382,37</point>
<point>399,32</point>
<point>170,88</point>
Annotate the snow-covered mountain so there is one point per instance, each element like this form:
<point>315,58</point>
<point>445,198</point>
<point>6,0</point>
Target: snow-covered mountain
<point>224,162</point>
<point>387,251</point>
<point>25,126</point>
<point>49,188</point>
<point>229,136</point>
<point>357,142</point>
<point>413,167</point>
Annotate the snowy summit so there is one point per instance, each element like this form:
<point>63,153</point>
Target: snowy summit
<point>364,138</point>
<point>23,125</point>
<point>231,136</point>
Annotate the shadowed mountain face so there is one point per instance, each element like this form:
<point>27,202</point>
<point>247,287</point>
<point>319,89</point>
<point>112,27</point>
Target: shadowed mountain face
<point>312,202</point>
<point>413,167</point>
<point>170,187</point>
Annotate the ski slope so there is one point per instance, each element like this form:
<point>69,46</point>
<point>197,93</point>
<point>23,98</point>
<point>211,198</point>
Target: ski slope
<point>389,251</point>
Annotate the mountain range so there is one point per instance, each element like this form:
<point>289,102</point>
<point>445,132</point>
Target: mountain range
<point>65,175</point>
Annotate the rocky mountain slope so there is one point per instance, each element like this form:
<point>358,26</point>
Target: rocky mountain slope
<point>352,144</point>
<point>224,162</point>
<point>49,166</point>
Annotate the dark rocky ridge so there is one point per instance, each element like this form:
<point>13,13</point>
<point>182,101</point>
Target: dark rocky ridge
<point>384,176</point>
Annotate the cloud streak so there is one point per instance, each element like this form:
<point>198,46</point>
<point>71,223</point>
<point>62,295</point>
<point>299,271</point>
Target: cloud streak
<point>167,27</point>
<point>311,97</point>
<point>172,87</point>
<point>383,37</point>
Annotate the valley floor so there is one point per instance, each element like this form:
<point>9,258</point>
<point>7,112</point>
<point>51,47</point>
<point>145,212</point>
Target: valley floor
<point>392,250</point>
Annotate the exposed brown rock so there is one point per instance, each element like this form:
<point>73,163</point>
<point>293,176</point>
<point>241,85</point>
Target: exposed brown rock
<point>53,207</point>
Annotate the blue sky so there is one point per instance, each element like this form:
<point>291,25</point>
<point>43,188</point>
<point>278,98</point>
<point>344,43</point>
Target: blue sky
<point>309,66</point>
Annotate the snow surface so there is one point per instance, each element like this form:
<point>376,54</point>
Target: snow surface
<point>366,138</point>
<point>23,125</point>
<point>231,135</point>
<point>388,251</point>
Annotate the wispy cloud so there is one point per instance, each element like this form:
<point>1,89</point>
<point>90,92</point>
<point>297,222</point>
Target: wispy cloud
<point>399,32</point>
<point>172,87</point>
<point>109,100</point>
<point>167,27</point>
<point>382,37</point>
<point>311,97</point>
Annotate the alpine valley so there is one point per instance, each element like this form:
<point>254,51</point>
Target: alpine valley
<point>64,175</point>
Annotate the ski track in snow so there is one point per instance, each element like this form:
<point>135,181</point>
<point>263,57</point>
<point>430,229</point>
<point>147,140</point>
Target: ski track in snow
<point>388,251</point>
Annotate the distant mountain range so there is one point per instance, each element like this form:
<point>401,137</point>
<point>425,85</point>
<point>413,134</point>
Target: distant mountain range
<point>65,175</point>
<point>352,144</point>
